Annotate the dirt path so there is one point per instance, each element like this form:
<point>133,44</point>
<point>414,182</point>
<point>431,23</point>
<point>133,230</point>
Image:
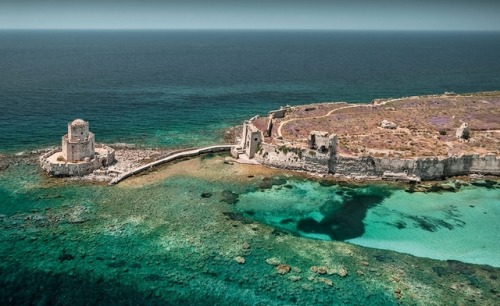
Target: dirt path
<point>316,117</point>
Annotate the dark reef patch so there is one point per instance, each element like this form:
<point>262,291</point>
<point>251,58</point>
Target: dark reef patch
<point>269,182</point>
<point>229,197</point>
<point>250,212</point>
<point>440,271</point>
<point>206,194</point>
<point>287,221</point>
<point>65,256</point>
<point>278,233</point>
<point>430,224</point>
<point>236,217</point>
<point>117,264</point>
<point>488,184</point>
<point>398,224</point>
<point>326,183</point>
<point>153,277</point>
<point>345,222</point>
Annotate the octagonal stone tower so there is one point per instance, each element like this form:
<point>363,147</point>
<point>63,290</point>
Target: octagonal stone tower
<point>78,144</point>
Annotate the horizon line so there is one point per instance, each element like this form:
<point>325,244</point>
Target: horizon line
<point>249,29</point>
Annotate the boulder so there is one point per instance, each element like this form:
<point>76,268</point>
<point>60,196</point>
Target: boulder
<point>386,124</point>
<point>463,131</point>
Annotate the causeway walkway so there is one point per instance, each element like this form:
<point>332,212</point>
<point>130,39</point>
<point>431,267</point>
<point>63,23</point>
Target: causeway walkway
<point>172,156</point>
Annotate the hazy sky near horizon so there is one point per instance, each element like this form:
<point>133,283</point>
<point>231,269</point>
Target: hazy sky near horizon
<point>253,14</point>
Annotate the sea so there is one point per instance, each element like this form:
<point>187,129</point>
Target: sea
<point>208,232</point>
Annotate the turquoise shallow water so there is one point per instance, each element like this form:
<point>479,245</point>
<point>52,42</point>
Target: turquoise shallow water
<point>176,240</point>
<point>459,225</point>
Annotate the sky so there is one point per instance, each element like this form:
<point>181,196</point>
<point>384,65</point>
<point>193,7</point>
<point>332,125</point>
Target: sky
<point>468,15</point>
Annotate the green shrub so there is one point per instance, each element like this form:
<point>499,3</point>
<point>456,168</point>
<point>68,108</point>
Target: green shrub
<point>283,149</point>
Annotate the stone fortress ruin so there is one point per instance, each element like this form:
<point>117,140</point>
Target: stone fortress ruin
<point>79,143</point>
<point>425,138</point>
<point>80,155</point>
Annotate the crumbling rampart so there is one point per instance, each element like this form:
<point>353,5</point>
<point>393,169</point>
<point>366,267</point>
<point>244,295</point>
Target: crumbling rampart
<point>366,167</point>
<point>55,166</point>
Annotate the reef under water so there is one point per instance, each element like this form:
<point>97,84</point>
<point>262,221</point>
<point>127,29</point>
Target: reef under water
<point>448,225</point>
<point>203,231</point>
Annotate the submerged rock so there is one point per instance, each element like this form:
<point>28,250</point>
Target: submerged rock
<point>326,281</point>
<point>342,272</point>
<point>206,194</point>
<point>307,287</point>
<point>273,261</point>
<point>240,259</point>
<point>436,187</point>
<point>283,269</point>
<point>319,270</point>
<point>294,278</point>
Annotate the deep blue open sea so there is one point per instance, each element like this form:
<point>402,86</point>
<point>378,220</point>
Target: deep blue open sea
<point>207,232</point>
<point>181,88</point>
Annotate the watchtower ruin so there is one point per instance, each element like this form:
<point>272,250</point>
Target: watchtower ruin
<point>78,144</point>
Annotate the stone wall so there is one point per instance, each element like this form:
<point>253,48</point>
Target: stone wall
<point>285,157</point>
<point>279,113</point>
<point>280,157</point>
<point>317,161</point>
<point>488,164</point>
<point>70,169</point>
<point>78,150</point>
<point>424,168</point>
<point>104,156</point>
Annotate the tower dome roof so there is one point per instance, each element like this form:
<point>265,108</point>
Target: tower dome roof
<point>78,122</point>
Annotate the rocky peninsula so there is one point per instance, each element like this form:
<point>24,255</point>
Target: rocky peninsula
<point>409,139</point>
<point>405,139</point>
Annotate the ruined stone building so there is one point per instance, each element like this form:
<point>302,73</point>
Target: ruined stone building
<point>321,142</point>
<point>251,139</point>
<point>79,155</point>
<point>78,144</point>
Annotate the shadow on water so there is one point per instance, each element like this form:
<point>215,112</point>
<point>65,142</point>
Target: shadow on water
<point>345,222</point>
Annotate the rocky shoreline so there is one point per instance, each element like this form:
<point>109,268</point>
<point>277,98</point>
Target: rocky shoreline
<point>128,157</point>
